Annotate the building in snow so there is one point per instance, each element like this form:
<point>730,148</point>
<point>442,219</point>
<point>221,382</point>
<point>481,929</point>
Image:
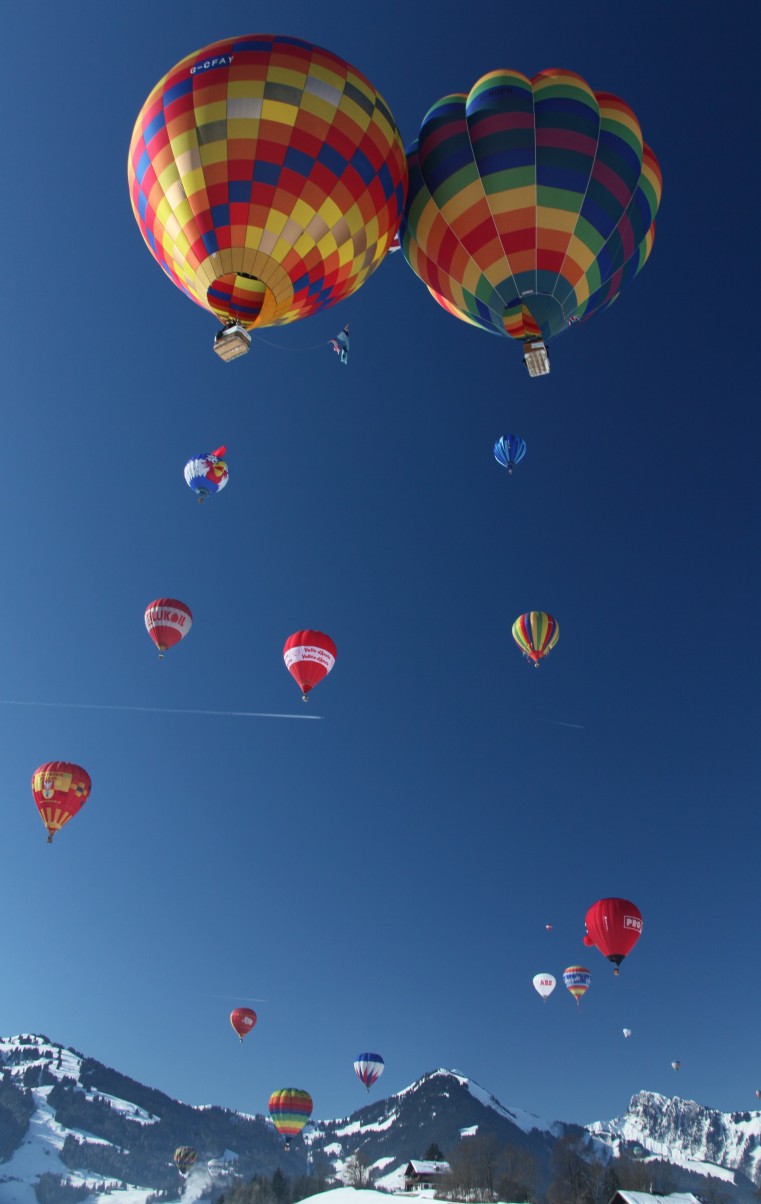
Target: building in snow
<point>424,1174</point>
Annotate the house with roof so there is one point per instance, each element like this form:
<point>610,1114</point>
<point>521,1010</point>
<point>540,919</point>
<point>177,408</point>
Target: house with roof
<point>419,1175</point>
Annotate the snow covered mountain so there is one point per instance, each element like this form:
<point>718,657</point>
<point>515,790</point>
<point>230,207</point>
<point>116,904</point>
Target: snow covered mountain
<point>68,1121</point>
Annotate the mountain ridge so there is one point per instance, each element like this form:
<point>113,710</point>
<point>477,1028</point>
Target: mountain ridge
<point>66,1113</point>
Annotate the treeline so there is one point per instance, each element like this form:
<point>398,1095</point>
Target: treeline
<point>16,1108</point>
<point>277,1189</point>
<point>52,1189</point>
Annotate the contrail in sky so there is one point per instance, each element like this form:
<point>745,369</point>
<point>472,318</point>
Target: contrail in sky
<point>560,723</point>
<point>103,706</point>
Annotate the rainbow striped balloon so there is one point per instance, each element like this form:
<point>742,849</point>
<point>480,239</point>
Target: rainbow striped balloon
<point>577,979</point>
<point>290,1109</point>
<point>531,202</point>
<point>536,633</point>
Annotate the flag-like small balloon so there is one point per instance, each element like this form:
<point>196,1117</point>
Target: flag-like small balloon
<point>60,789</point>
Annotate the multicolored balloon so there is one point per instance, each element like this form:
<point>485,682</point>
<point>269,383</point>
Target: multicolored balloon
<point>545,984</point>
<point>368,1068</point>
<point>548,927</point>
<point>577,979</point>
<point>207,473</point>
<point>242,1020</point>
<point>309,656</point>
<point>267,177</point>
<point>60,790</point>
<point>167,622</point>
<point>531,203</point>
<point>614,926</point>
<point>184,1158</point>
<point>509,451</point>
<point>290,1110</point>
<point>536,633</point>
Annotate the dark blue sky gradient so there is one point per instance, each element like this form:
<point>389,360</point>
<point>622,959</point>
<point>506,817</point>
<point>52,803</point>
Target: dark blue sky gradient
<point>382,878</point>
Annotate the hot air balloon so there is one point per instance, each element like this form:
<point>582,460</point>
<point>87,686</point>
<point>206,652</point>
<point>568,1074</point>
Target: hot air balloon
<point>368,1068</point>
<point>268,179</point>
<point>309,656</point>
<point>185,1157</point>
<point>614,926</point>
<point>675,1065</point>
<point>536,633</point>
<point>531,204</point>
<point>627,1032</point>
<point>207,473</point>
<point>757,1094</point>
<point>577,979</point>
<point>548,927</point>
<point>167,622</point>
<point>242,1020</point>
<point>60,789</point>
<point>545,984</point>
<point>509,451</point>
<point>290,1110</point>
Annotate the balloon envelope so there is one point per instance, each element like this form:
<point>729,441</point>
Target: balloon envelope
<point>614,926</point>
<point>675,1065</point>
<point>531,202</point>
<point>536,633</point>
<point>185,1157</point>
<point>309,656</point>
<point>545,984</point>
<point>368,1068</point>
<point>509,451</point>
<point>207,473</point>
<point>167,622</point>
<point>290,1109</point>
<point>577,979</point>
<point>627,1032</point>
<point>242,1020</point>
<point>60,789</point>
<point>267,177</point>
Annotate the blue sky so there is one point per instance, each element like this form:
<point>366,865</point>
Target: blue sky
<point>381,879</point>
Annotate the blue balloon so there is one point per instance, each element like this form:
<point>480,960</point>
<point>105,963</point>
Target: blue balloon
<point>207,473</point>
<point>509,451</point>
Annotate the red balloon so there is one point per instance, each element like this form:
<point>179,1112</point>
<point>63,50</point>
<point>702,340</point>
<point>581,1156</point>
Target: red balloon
<point>309,656</point>
<point>167,622</point>
<point>614,926</point>
<point>242,1020</point>
<point>59,790</point>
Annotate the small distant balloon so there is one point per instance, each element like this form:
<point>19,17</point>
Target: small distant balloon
<point>627,1032</point>
<point>184,1158</point>
<point>309,656</point>
<point>577,980</point>
<point>242,1020</point>
<point>536,633</point>
<point>509,451</point>
<point>545,984</point>
<point>60,789</point>
<point>368,1068</point>
<point>207,473</point>
<point>548,927</point>
<point>757,1094</point>
<point>675,1065</point>
<point>167,621</point>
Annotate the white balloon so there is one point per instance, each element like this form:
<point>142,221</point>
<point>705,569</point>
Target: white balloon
<point>544,984</point>
<point>627,1032</point>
